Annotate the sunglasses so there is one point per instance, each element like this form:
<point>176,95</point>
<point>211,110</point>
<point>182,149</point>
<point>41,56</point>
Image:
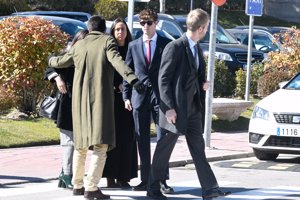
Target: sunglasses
<point>149,23</point>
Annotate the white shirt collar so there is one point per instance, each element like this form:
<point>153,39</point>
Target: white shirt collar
<point>192,43</point>
<point>154,38</point>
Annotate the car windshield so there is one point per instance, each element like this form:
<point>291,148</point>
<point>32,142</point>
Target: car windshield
<point>222,36</point>
<point>294,84</point>
<point>69,28</point>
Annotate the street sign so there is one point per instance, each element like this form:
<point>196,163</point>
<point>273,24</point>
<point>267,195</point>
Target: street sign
<point>219,2</point>
<point>254,7</point>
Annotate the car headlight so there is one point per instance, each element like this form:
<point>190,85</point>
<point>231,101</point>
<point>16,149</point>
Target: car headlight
<point>260,113</point>
<point>223,56</point>
<point>220,56</point>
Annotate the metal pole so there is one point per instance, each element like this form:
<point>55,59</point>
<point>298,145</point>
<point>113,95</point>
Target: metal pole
<point>162,6</point>
<point>130,15</point>
<point>249,58</point>
<point>192,5</point>
<point>210,74</point>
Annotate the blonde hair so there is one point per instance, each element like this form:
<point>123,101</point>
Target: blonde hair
<point>196,18</point>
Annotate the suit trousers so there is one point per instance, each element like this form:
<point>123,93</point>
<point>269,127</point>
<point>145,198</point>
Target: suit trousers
<point>94,174</point>
<point>195,142</point>
<point>142,123</point>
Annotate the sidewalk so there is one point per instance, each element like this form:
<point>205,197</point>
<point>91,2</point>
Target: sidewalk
<point>33,164</point>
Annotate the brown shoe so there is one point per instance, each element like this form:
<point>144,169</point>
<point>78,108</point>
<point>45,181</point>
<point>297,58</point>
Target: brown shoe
<point>77,192</point>
<point>91,195</point>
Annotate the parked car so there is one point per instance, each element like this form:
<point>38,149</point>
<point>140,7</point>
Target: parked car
<point>230,50</point>
<point>262,40</point>
<point>67,25</point>
<point>81,16</point>
<point>270,29</point>
<point>227,48</point>
<point>274,127</point>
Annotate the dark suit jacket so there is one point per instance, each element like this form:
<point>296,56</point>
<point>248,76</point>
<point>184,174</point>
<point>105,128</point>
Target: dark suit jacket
<point>177,66</point>
<point>136,61</point>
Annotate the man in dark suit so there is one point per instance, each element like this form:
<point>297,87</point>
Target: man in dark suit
<point>144,56</point>
<point>182,87</point>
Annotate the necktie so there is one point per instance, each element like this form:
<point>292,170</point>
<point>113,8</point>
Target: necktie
<point>196,55</point>
<point>148,51</point>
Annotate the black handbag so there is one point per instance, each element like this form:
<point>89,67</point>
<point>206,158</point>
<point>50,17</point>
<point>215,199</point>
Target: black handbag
<point>49,106</point>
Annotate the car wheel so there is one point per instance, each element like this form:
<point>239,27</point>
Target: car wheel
<point>261,155</point>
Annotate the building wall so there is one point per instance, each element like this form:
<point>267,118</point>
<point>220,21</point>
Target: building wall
<point>288,10</point>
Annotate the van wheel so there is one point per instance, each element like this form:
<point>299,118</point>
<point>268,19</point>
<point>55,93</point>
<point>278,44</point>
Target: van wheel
<point>261,155</point>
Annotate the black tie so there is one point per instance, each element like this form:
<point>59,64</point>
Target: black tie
<point>196,56</point>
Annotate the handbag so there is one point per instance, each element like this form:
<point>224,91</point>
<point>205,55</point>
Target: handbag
<point>49,106</point>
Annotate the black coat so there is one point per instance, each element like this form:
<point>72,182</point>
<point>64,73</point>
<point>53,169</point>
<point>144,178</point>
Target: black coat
<point>64,117</point>
<point>122,162</point>
<point>177,66</point>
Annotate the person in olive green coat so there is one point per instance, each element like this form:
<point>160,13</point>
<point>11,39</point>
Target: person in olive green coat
<point>95,59</point>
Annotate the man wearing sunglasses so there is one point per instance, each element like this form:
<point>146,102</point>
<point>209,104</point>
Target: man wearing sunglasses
<point>144,56</point>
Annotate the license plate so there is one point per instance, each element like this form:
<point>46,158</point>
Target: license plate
<point>292,132</point>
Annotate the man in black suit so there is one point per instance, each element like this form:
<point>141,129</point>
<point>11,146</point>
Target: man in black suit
<point>144,56</point>
<point>182,87</point>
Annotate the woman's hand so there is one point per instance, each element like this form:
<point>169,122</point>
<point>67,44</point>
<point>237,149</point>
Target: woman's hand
<point>60,84</point>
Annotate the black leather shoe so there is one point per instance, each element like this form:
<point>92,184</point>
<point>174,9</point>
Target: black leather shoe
<point>164,188</point>
<point>77,192</point>
<point>140,187</point>
<point>91,195</point>
<point>156,195</point>
<point>213,193</point>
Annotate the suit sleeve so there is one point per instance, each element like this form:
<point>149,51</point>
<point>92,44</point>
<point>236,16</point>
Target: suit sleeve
<point>50,73</point>
<point>127,88</point>
<point>165,78</point>
<point>117,61</point>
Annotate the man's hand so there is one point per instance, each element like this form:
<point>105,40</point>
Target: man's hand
<point>60,85</point>
<point>128,104</point>
<point>206,85</point>
<point>171,116</point>
<point>139,87</point>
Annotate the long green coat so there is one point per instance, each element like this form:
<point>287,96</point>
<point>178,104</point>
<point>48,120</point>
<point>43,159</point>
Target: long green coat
<point>95,59</point>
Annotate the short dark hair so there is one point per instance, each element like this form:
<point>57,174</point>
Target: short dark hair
<point>148,14</point>
<point>97,23</point>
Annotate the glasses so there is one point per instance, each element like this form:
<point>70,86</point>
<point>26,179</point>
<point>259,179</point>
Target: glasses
<point>149,23</point>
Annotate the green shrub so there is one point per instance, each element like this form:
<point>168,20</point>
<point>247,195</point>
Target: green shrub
<point>256,72</point>
<point>269,82</point>
<point>224,82</point>
<point>288,59</point>
<point>111,9</point>
<point>6,100</point>
<point>25,44</point>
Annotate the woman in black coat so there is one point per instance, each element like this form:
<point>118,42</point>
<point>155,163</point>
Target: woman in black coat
<point>64,81</point>
<point>121,163</point>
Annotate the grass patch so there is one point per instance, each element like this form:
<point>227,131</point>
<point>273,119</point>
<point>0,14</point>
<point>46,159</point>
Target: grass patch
<point>31,132</point>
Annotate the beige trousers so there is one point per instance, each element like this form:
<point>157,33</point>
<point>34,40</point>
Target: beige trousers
<point>94,174</point>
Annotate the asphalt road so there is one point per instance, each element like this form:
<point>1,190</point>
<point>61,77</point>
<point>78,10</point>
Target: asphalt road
<point>247,179</point>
